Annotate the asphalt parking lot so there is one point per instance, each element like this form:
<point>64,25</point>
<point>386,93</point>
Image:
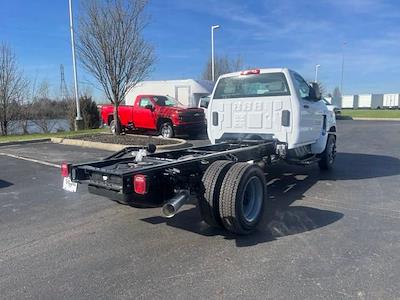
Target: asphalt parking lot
<point>333,235</point>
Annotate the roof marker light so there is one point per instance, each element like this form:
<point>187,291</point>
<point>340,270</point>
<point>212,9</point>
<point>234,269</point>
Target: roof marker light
<point>250,72</point>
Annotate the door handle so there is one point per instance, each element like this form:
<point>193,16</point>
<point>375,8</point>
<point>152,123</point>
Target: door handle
<point>306,106</point>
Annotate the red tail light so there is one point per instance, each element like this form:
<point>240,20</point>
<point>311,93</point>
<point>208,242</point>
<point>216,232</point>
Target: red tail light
<point>65,169</point>
<point>250,72</point>
<point>140,184</point>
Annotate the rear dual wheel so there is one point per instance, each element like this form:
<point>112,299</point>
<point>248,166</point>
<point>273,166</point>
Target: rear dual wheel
<point>209,197</point>
<point>235,197</point>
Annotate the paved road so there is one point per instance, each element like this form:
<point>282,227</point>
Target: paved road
<point>334,235</point>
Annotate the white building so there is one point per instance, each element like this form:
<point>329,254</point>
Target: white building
<point>187,91</point>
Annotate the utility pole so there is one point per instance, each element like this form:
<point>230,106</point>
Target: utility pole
<point>341,81</point>
<point>78,120</point>
<point>212,51</point>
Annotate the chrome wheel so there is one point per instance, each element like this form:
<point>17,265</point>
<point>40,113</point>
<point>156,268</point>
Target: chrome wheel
<point>252,199</point>
<point>167,131</point>
<point>112,127</point>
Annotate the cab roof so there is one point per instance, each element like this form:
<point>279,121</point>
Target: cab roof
<point>256,71</point>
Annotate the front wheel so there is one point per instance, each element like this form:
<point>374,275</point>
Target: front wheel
<point>166,130</point>
<point>113,127</point>
<point>329,154</point>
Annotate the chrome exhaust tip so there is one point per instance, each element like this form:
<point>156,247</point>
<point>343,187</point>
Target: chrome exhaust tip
<point>172,206</point>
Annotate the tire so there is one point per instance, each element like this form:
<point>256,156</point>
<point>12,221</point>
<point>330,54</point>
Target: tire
<point>112,127</point>
<point>211,186</point>
<point>242,198</point>
<point>166,130</point>
<point>328,156</point>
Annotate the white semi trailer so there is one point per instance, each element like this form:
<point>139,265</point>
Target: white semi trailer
<point>349,101</point>
<point>391,100</point>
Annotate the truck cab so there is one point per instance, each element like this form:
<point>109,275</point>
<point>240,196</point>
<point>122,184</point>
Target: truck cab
<point>271,104</point>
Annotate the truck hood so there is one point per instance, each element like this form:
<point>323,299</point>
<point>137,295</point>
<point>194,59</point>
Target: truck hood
<point>186,114</point>
<point>180,109</point>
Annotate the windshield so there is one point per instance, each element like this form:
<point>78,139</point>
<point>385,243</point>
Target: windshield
<point>166,101</point>
<point>260,85</point>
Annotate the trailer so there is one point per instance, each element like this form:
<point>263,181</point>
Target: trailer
<point>391,100</point>
<point>364,101</point>
<point>348,101</point>
<point>377,101</point>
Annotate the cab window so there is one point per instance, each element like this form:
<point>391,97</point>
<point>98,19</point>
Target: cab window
<point>260,85</point>
<point>144,102</point>
<point>302,86</point>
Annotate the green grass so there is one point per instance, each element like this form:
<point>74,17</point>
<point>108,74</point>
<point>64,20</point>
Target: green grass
<point>36,136</point>
<point>372,113</point>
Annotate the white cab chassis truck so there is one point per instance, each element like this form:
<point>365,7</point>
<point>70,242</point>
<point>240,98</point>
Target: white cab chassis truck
<point>272,104</point>
<point>255,118</point>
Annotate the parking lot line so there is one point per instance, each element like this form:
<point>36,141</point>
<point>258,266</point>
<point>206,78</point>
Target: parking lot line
<point>31,160</point>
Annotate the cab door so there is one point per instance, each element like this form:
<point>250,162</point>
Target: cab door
<point>144,115</point>
<point>311,117</point>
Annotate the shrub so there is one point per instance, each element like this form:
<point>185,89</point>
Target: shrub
<point>89,112</point>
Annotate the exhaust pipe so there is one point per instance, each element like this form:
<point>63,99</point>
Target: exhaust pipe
<point>170,208</point>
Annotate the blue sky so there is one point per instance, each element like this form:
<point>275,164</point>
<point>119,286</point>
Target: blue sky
<point>270,33</point>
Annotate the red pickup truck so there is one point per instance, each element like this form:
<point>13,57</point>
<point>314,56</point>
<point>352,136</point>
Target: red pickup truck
<point>161,114</point>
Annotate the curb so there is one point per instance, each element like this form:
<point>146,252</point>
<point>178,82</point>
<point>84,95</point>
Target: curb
<point>114,147</point>
<point>25,142</point>
<point>376,119</point>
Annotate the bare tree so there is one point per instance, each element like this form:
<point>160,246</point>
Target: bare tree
<point>112,48</point>
<point>42,110</point>
<point>24,116</point>
<point>12,86</point>
<point>223,65</point>
<point>322,88</point>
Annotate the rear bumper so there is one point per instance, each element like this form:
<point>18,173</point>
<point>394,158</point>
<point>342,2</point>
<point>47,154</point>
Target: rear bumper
<point>128,199</point>
<point>190,128</point>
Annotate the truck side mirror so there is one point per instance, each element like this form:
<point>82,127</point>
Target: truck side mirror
<point>315,92</point>
<point>203,103</point>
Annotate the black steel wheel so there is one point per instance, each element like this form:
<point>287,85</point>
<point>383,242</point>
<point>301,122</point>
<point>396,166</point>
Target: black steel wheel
<point>242,197</point>
<point>328,156</point>
<point>209,196</point>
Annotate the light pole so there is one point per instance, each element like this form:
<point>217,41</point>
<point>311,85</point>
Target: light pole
<point>316,72</point>
<point>78,120</point>
<point>341,81</point>
<point>212,51</point>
